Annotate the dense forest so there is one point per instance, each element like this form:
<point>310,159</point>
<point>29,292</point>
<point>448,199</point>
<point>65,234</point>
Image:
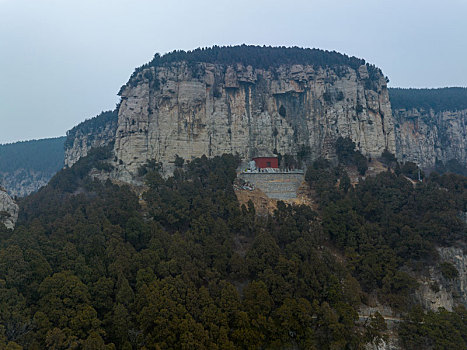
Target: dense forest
<point>260,57</point>
<point>444,99</point>
<point>92,265</point>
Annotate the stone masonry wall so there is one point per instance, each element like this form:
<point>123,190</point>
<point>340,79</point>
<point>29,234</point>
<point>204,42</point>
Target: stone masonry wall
<point>281,186</point>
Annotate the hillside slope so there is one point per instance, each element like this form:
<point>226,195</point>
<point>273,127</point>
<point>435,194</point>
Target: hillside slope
<point>87,265</point>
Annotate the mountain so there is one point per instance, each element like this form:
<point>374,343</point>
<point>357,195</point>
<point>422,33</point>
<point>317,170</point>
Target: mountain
<point>252,101</point>
<point>174,257</point>
<point>28,165</point>
<point>256,101</point>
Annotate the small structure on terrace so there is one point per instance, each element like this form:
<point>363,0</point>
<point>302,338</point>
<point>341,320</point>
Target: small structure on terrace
<point>266,162</point>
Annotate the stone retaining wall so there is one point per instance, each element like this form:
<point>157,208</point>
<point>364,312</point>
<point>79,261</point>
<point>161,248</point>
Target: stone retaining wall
<point>275,185</point>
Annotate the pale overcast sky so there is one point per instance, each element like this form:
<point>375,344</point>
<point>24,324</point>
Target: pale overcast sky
<point>63,61</point>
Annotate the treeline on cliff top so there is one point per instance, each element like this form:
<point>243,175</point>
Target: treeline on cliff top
<point>260,57</point>
<point>44,155</point>
<point>92,125</point>
<point>443,99</point>
<point>91,266</point>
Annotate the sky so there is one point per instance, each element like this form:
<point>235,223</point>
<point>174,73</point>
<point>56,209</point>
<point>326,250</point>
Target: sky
<point>63,61</point>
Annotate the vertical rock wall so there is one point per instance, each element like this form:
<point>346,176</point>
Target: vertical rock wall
<point>208,109</point>
<point>8,210</point>
<point>426,136</point>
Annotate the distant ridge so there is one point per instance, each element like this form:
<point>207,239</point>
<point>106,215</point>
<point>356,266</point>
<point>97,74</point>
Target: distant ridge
<point>25,166</point>
<point>440,99</point>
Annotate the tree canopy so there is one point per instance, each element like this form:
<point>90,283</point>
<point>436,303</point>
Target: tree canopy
<point>95,265</point>
<point>44,155</point>
<point>443,99</point>
<point>260,57</point>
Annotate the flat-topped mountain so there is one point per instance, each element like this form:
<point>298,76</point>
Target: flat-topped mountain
<point>187,261</point>
<point>250,101</point>
<point>259,101</point>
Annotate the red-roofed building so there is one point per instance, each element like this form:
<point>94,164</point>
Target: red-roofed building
<point>266,162</point>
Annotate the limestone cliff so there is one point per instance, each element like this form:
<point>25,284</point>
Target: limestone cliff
<point>189,104</point>
<point>8,210</point>
<point>191,109</point>
<point>427,136</point>
<point>96,132</point>
<point>430,125</point>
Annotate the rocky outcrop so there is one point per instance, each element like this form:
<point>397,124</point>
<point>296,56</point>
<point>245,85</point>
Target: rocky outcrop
<point>436,291</point>
<point>392,343</point>
<point>458,258</point>
<point>96,132</point>
<point>208,109</point>
<point>424,136</point>
<point>8,210</point>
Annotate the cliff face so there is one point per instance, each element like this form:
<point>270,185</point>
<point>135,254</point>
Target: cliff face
<point>424,136</point>
<point>96,132</point>
<point>206,102</point>
<point>211,109</point>
<point>8,210</point>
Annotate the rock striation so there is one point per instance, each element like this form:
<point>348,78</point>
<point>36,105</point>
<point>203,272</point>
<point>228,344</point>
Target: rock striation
<point>8,210</point>
<point>211,109</point>
<point>425,136</point>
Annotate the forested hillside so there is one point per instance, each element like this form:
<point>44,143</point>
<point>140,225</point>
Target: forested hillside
<point>27,165</point>
<point>92,266</point>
